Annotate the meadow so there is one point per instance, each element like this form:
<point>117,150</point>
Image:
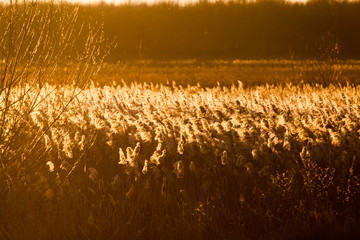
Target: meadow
<point>170,149</point>
<point>159,161</point>
<point>210,73</point>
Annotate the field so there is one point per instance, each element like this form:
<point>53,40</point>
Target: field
<point>93,146</point>
<point>210,73</point>
<point>157,161</point>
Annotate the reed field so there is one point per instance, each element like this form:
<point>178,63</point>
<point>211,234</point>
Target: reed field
<point>170,149</point>
<point>166,161</point>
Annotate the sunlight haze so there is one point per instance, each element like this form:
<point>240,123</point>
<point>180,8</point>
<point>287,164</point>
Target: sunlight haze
<point>117,2</point>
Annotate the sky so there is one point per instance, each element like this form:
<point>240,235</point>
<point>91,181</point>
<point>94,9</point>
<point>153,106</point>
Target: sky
<point>116,2</point>
<point>135,1</point>
<point>132,1</point>
<point>148,1</point>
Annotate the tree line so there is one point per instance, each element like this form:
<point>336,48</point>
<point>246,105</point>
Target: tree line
<point>232,29</point>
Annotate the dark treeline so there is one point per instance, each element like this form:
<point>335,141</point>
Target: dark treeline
<point>262,29</point>
<point>235,29</point>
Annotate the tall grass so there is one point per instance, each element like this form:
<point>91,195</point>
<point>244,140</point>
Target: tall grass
<point>36,40</point>
<point>154,161</point>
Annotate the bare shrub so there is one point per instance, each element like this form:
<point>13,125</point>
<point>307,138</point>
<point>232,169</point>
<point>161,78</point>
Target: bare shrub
<point>324,68</point>
<point>38,39</point>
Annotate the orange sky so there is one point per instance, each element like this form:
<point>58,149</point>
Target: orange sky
<point>133,1</point>
<point>149,1</point>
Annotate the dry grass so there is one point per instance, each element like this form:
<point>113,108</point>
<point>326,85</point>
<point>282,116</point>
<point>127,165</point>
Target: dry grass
<point>145,161</point>
<point>208,73</point>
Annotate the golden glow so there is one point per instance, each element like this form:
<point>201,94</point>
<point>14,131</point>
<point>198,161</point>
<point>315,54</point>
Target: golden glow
<point>181,2</point>
<point>118,2</point>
